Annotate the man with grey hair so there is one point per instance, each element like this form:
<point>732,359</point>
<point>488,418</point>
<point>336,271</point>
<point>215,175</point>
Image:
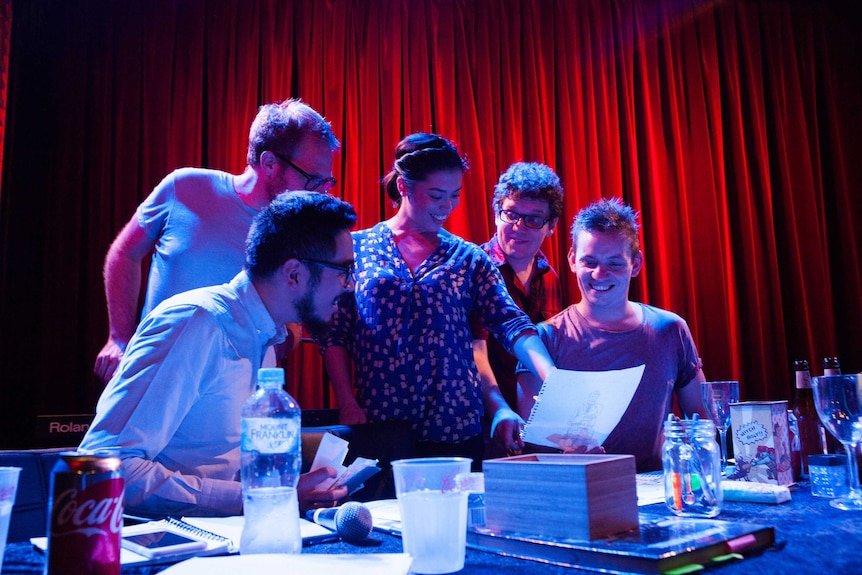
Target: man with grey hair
<point>528,201</point>
<point>195,221</point>
<point>606,331</point>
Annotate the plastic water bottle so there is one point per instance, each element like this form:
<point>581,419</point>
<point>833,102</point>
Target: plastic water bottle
<point>270,463</point>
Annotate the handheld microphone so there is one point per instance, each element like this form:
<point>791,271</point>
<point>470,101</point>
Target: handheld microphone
<point>352,521</point>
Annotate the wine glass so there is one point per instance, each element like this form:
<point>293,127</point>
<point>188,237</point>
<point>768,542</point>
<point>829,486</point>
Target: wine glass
<point>838,400</point>
<point>717,397</point>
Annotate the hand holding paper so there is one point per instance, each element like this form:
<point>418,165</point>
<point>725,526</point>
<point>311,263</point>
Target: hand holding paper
<point>576,410</point>
<point>507,428</point>
<point>331,453</point>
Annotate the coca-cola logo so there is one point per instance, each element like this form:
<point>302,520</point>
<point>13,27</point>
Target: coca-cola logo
<point>91,511</point>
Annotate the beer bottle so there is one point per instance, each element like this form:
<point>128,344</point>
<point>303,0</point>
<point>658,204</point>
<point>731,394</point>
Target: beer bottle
<point>831,366</point>
<point>808,423</point>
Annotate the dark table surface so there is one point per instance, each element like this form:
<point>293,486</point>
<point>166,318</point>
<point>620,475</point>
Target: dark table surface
<point>810,535</point>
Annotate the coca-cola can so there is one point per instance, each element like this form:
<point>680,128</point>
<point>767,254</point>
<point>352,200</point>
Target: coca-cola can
<point>86,514</point>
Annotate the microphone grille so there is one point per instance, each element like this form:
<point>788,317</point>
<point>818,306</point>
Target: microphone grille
<point>353,522</point>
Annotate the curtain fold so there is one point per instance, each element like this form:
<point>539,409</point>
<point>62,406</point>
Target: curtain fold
<point>731,126</point>
<point>5,32</point>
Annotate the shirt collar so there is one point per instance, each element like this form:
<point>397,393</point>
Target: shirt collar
<point>267,331</point>
<point>499,258</point>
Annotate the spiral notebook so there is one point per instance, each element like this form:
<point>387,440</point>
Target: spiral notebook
<point>216,544</point>
<point>563,419</point>
<point>221,535</point>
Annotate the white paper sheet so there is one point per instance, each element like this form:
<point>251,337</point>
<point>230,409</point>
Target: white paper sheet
<point>339,564</point>
<point>331,453</point>
<point>650,488</point>
<point>386,515</point>
<point>581,408</point>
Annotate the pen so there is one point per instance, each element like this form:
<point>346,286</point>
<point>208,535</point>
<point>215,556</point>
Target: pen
<point>676,484</point>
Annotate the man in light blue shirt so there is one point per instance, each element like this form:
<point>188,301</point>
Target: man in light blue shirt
<point>173,407</point>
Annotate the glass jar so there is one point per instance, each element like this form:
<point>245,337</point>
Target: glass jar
<point>691,461</point>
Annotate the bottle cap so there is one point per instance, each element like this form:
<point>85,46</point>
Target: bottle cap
<point>269,377</point>
<point>800,365</point>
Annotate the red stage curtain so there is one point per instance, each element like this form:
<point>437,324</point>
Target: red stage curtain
<point>5,30</point>
<point>732,126</point>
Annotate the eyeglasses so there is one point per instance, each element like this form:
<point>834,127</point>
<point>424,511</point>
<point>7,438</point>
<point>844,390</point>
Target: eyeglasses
<point>347,270</point>
<point>312,183</point>
<point>532,222</point>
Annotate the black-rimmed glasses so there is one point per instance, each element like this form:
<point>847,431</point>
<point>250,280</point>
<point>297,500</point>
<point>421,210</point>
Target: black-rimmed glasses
<point>312,183</point>
<point>532,222</point>
<point>347,270</point>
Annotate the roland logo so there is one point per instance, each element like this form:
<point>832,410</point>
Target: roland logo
<point>67,427</point>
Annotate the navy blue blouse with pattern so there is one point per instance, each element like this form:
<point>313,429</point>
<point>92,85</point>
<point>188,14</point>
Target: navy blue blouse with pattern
<point>409,333</point>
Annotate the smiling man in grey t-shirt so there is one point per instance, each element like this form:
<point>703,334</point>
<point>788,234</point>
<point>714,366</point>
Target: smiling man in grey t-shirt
<point>607,331</point>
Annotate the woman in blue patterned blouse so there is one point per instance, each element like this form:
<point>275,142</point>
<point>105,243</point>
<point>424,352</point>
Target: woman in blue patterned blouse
<point>406,331</point>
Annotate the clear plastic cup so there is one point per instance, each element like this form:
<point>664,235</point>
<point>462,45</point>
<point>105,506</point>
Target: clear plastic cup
<point>433,512</point>
<point>8,486</point>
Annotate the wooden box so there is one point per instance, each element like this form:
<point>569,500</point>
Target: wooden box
<point>564,496</point>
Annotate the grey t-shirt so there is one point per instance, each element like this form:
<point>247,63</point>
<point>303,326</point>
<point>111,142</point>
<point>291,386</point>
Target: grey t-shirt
<point>200,226</point>
<point>662,344</point>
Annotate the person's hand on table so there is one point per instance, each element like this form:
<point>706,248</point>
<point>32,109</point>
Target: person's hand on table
<point>312,497</point>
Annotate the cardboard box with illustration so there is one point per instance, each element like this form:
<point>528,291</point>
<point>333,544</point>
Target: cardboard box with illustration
<point>761,442</point>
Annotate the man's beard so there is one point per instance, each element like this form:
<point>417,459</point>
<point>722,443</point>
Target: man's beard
<point>313,323</point>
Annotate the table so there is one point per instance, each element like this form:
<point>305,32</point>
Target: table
<point>810,534</point>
